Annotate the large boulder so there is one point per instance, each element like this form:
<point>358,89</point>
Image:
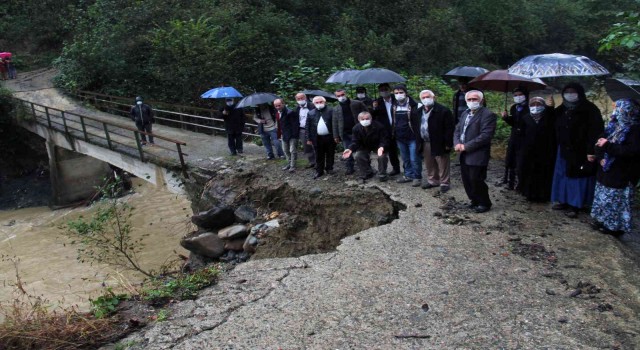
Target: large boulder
<point>234,231</point>
<point>206,244</point>
<point>250,244</point>
<point>245,214</point>
<point>214,218</point>
<point>235,244</point>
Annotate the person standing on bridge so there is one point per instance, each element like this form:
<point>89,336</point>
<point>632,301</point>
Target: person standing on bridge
<point>234,121</point>
<point>142,114</point>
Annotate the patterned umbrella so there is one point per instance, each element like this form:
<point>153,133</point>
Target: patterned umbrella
<point>465,72</point>
<point>622,88</point>
<point>222,92</point>
<point>557,65</point>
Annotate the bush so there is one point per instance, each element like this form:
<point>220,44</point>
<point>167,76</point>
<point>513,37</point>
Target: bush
<point>185,286</point>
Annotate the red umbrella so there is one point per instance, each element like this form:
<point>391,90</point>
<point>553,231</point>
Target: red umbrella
<point>4,55</point>
<point>501,81</point>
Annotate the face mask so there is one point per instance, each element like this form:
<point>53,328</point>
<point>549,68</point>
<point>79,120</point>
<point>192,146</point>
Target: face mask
<point>536,109</point>
<point>385,94</point>
<point>400,97</point>
<point>427,101</point>
<point>319,105</point>
<point>342,99</point>
<point>519,99</point>
<point>366,122</point>
<point>302,103</point>
<point>571,97</point>
<point>229,103</point>
<point>473,105</point>
<point>361,95</point>
<point>139,103</point>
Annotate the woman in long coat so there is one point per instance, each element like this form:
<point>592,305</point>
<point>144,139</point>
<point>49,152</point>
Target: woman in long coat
<point>517,111</point>
<point>618,153</point>
<point>578,125</point>
<point>537,153</point>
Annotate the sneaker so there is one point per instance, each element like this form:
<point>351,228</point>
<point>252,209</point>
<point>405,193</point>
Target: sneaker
<point>403,180</point>
<point>286,167</point>
<point>444,189</point>
<point>416,183</point>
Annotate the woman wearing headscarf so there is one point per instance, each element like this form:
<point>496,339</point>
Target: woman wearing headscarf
<point>618,153</point>
<point>578,125</point>
<point>537,153</point>
<point>517,111</point>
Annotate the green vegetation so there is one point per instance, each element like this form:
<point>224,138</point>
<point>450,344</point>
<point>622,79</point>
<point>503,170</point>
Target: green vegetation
<point>182,287</point>
<point>622,42</point>
<point>107,303</point>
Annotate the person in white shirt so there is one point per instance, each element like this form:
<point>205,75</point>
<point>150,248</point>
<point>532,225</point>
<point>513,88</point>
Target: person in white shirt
<point>319,129</point>
<point>302,110</point>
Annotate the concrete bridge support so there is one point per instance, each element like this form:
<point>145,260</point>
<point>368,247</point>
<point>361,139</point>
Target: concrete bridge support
<point>74,176</point>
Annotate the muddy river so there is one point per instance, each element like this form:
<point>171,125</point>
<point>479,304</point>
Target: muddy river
<point>32,243</point>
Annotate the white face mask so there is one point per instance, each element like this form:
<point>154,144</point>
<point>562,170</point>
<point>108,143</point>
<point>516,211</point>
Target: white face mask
<point>473,105</point>
<point>361,95</point>
<point>139,103</point>
<point>229,103</point>
<point>536,109</point>
<point>427,101</point>
<point>365,122</point>
<point>519,99</point>
<point>342,99</point>
<point>571,96</point>
<point>385,94</point>
<point>302,103</point>
<point>319,105</point>
<point>400,97</point>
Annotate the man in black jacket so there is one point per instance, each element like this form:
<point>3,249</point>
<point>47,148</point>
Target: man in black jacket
<point>345,117</point>
<point>289,127</point>
<point>142,114</point>
<point>382,113</point>
<point>369,136</point>
<point>302,110</point>
<point>319,127</point>
<point>436,136</point>
<point>361,95</point>
<point>234,121</point>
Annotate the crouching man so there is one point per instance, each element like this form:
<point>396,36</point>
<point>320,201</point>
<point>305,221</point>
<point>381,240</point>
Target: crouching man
<point>369,136</point>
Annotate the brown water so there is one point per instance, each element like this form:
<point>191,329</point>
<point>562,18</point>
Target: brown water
<point>47,262</point>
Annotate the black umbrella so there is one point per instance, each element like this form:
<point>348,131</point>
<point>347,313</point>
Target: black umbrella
<point>257,98</point>
<point>377,76</point>
<point>343,76</point>
<point>322,93</point>
<point>465,72</point>
<point>622,88</point>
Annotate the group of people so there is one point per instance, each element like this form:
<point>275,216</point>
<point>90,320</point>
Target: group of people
<point>7,69</point>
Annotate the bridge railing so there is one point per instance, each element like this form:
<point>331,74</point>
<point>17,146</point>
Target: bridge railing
<point>98,131</point>
<point>186,117</point>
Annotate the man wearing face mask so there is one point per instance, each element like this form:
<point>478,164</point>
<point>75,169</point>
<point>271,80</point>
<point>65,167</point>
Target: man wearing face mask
<point>518,110</point>
<point>319,127</point>
<point>578,126</point>
<point>234,125</point>
<point>472,140</point>
<point>436,136</point>
<point>382,108</point>
<point>302,110</point>
<point>361,95</point>
<point>459,103</point>
<point>142,114</point>
<point>345,116</point>
<point>268,129</point>
<point>289,126</point>
<point>405,128</point>
<point>369,136</point>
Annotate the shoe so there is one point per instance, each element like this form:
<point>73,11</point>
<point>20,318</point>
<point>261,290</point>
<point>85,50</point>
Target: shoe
<point>349,172</point>
<point>292,170</point>
<point>286,167</point>
<point>271,158</point>
<point>481,209</point>
<point>240,151</point>
<point>403,180</point>
<point>444,189</point>
<point>367,177</point>
<point>282,157</point>
<point>317,175</point>
<point>309,166</point>
<point>416,183</point>
<point>331,171</point>
<point>559,206</point>
<point>427,186</point>
<point>383,178</point>
<point>394,172</point>
<point>471,205</point>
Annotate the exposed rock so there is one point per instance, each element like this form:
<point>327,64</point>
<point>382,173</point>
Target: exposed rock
<point>250,244</point>
<point>214,218</point>
<point>272,224</point>
<point>235,231</point>
<point>196,262</point>
<point>206,244</point>
<point>235,244</point>
<point>245,214</point>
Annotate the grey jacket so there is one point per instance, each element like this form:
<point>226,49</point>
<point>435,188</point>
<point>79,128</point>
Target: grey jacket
<point>477,139</point>
<point>338,118</point>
